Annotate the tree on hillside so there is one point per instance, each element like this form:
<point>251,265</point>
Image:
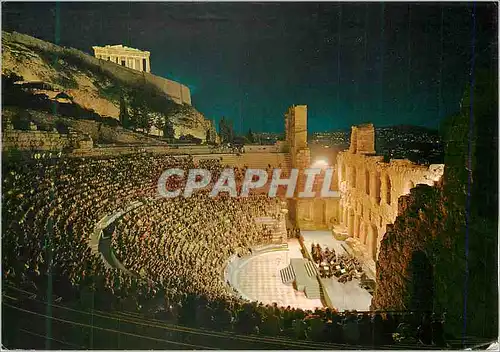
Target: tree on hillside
<point>250,137</point>
<point>140,116</point>
<point>226,130</point>
<point>208,136</point>
<point>168,129</point>
<point>124,115</point>
<point>223,129</point>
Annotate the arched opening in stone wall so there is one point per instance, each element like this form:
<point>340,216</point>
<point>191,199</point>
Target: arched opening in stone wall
<point>340,214</point>
<point>388,187</point>
<point>422,282</point>
<point>373,242</point>
<point>364,233</point>
<point>377,187</point>
<point>354,177</point>
<point>367,182</point>
<point>350,223</point>
<point>319,212</point>
<point>358,226</point>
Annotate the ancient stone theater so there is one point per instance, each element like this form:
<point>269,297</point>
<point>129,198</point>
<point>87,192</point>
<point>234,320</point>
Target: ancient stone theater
<point>370,188</point>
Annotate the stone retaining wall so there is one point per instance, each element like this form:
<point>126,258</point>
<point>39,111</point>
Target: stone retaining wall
<point>35,140</point>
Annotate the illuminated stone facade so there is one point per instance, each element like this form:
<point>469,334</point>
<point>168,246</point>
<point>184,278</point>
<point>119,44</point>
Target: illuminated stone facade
<point>125,56</point>
<point>308,213</point>
<point>370,188</point>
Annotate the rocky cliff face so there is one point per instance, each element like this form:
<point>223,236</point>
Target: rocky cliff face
<point>68,76</point>
<point>441,253</point>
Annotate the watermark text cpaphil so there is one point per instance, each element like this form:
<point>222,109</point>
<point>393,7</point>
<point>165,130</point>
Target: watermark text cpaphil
<point>254,178</point>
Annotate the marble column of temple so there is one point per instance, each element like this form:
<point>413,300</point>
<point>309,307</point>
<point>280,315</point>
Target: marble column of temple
<point>125,56</point>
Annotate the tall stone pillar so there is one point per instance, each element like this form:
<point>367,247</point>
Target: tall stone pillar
<point>148,65</point>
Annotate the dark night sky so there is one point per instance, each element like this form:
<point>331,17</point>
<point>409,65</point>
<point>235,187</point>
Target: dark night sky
<point>392,63</point>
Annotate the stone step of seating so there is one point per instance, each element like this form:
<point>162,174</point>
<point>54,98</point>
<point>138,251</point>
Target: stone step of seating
<point>311,270</point>
<point>267,222</point>
<point>313,292</point>
<point>287,275</point>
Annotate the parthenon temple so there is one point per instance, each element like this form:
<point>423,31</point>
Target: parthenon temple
<point>129,57</point>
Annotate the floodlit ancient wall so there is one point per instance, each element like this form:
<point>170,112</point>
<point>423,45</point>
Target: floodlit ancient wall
<point>307,213</point>
<point>177,91</point>
<point>252,160</point>
<point>34,140</point>
<point>370,188</point>
<point>261,148</point>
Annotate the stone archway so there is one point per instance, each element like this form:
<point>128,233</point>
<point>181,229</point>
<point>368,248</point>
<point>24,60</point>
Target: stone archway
<point>377,187</point>
<point>350,222</point>
<point>319,213</point>
<point>340,214</point>
<point>365,239</point>
<point>367,182</point>
<point>345,214</point>
<point>363,232</point>
<point>373,242</point>
<point>357,226</point>
<point>388,189</point>
<point>354,177</point>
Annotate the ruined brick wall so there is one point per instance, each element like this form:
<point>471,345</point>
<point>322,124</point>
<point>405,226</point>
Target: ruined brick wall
<point>370,188</point>
<point>312,213</point>
<point>362,139</point>
<point>34,140</point>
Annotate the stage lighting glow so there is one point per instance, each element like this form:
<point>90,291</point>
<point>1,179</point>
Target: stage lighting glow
<point>320,163</point>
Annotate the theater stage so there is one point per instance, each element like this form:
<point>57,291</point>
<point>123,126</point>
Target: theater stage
<point>257,278</point>
<point>346,296</point>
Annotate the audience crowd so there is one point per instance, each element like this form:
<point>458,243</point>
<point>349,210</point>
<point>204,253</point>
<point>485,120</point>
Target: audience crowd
<point>174,249</point>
